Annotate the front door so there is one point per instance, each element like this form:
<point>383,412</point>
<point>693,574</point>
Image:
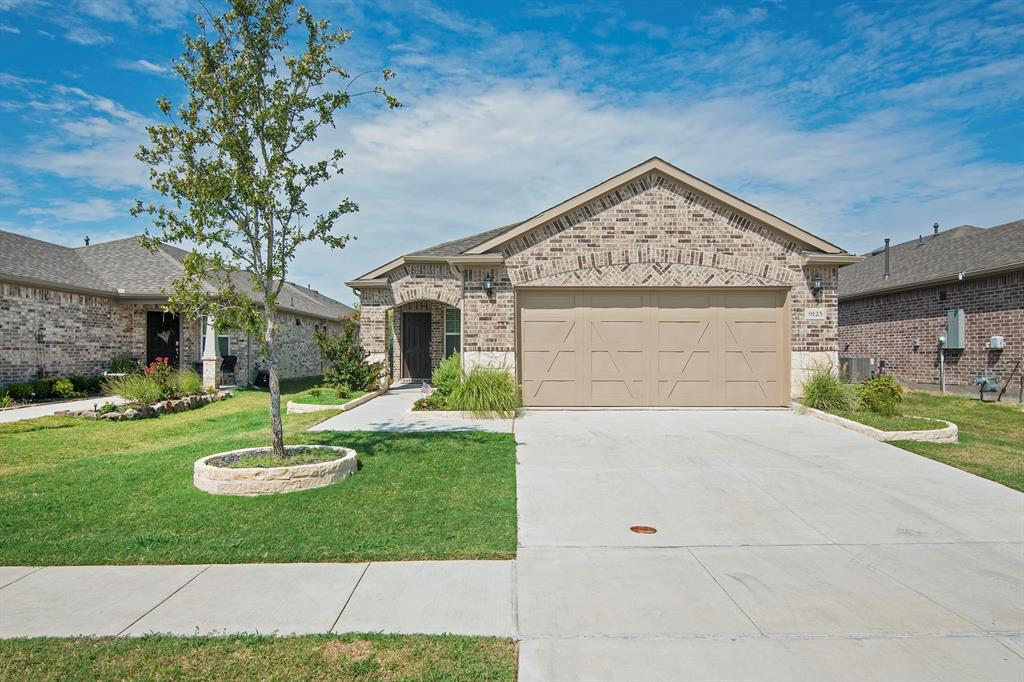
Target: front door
<point>415,345</point>
<point>163,336</point>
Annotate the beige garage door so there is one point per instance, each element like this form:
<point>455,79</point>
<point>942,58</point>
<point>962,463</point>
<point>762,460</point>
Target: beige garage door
<point>685,348</point>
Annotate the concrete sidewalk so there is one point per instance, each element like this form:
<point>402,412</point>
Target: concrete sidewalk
<point>413,597</point>
<point>47,409</point>
<point>393,412</point>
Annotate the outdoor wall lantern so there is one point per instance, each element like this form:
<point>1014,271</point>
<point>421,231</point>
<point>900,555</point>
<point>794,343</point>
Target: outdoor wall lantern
<point>489,285</point>
<point>817,286</point>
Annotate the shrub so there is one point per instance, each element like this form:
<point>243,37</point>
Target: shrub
<point>5,400</point>
<point>186,382</point>
<point>486,390</point>
<point>84,384</point>
<point>64,388</point>
<point>43,388</point>
<point>447,377</point>
<point>137,389</point>
<point>342,391</point>
<point>882,395</point>
<point>20,392</point>
<point>825,391</point>
<point>125,365</point>
<point>316,392</point>
<point>347,359</point>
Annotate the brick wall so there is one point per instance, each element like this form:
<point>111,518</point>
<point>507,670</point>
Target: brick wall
<point>648,232</point>
<point>885,326</point>
<point>48,332</point>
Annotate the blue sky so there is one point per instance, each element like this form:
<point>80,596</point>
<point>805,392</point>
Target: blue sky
<point>856,121</point>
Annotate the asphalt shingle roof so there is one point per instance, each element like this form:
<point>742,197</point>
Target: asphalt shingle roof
<point>966,249</point>
<point>459,246</point>
<point>124,268</point>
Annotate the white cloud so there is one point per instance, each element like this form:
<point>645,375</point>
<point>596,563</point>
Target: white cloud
<point>143,66</point>
<point>10,80</point>
<point>86,35</point>
<point>94,145</point>
<point>4,28</point>
<point>87,211</point>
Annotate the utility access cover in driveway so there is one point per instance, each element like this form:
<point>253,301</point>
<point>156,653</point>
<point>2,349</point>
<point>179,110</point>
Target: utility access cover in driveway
<point>786,548</point>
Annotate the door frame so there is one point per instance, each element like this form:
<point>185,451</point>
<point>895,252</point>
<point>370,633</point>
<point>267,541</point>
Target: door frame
<point>406,374</point>
<point>787,327</point>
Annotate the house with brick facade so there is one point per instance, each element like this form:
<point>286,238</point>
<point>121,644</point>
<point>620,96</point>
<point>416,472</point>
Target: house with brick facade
<point>652,288</point>
<point>894,305</point>
<point>67,311</point>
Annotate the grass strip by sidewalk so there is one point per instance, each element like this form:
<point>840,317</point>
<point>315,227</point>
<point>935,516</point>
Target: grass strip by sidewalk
<point>76,491</point>
<point>315,657</point>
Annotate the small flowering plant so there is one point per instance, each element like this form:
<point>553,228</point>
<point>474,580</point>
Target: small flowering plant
<point>161,372</point>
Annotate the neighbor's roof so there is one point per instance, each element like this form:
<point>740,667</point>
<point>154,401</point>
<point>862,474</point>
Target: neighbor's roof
<point>492,240</point>
<point>124,269</point>
<point>933,259</point>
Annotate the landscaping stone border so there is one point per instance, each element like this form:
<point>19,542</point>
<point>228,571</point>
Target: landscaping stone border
<point>221,480</point>
<point>948,434</point>
<point>189,402</point>
<point>455,414</point>
<point>303,408</point>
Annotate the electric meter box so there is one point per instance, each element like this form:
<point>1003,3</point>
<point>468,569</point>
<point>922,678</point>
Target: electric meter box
<point>955,329</point>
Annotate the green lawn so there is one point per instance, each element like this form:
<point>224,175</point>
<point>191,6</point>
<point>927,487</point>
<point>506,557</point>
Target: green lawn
<point>318,657</point>
<point>991,436</point>
<point>326,397</point>
<point>897,423</point>
<point>74,491</point>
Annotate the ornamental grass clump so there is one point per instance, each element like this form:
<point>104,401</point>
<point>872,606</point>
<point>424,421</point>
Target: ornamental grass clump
<point>825,391</point>
<point>136,389</point>
<point>485,391</point>
<point>447,377</point>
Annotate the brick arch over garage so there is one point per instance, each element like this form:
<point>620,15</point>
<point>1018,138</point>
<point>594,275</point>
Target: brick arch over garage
<point>653,267</point>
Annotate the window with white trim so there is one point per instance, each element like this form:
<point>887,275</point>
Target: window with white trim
<point>223,344</point>
<point>452,331</point>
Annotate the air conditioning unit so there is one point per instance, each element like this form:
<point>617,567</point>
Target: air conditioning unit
<point>997,343</point>
<point>855,370</point>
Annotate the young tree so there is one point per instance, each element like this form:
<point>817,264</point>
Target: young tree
<point>232,162</point>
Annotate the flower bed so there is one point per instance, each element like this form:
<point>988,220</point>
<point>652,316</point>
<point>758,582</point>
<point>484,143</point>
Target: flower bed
<point>219,474</point>
<point>128,412</point>
<point>299,407</point>
<point>943,432</point>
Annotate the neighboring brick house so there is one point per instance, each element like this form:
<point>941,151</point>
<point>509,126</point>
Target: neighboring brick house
<point>898,319</point>
<point>70,311</point>
<point>652,288</point>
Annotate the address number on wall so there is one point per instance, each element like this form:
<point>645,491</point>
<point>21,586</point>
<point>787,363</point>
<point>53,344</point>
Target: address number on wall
<point>815,313</point>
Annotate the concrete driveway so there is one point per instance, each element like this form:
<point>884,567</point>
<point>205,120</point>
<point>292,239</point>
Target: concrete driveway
<point>787,548</point>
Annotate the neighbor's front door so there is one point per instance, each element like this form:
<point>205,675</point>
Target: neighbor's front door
<point>163,336</point>
<point>415,345</point>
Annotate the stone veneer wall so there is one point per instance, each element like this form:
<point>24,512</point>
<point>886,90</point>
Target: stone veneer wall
<point>651,232</point>
<point>49,332</point>
<point>885,326</point>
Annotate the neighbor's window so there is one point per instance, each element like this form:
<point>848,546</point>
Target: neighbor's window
<point>452,331</point>
<point>223,347</point>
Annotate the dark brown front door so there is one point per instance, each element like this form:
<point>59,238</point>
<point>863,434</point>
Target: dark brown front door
<point>415,345</point>
<point>163,336</point>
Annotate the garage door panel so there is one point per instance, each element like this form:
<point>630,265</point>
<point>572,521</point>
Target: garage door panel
<point>655,347</point>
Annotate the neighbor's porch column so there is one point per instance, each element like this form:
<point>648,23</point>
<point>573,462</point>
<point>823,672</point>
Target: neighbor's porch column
<point>210,354</point>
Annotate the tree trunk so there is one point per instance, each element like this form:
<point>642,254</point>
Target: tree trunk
<point>276,430</point>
